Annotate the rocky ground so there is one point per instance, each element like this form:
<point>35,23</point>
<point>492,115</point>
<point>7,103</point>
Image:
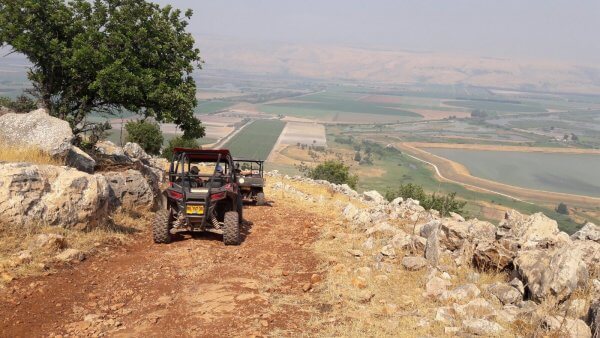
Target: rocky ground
<point>195,286</point>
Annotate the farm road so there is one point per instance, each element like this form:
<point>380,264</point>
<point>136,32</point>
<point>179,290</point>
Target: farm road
<point>194,286</point>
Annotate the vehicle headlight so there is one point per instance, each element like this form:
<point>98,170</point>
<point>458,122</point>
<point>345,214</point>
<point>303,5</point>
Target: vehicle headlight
<point>241,180</point>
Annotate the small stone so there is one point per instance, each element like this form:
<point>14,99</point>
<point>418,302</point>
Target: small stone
<point>69,255</point>
<point>482,327</point>
<point>264,323</point>
<point>388,250</point>
<point>359,282</point>
<point>355,253</point>
<point>414,263</point>
<point>306,287</point>
<point>461,293</point>
<point>315,278</point>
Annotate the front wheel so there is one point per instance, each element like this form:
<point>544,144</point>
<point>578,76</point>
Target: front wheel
<point>260,199</point>
<point>161,227</point>
<point>231,229</point>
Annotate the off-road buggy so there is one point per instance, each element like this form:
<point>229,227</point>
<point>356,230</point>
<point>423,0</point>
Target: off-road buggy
<point>202,195</point>
<point>250,175</point>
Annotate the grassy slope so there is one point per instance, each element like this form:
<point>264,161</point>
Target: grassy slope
<point>256,140</point>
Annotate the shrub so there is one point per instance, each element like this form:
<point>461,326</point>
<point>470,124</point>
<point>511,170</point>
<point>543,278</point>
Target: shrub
<point>146,134</point>
<point>334,172</point>
<point>562,208</point>
<point>442,203</point>
<point>178,142</point>
<point>21,104</point>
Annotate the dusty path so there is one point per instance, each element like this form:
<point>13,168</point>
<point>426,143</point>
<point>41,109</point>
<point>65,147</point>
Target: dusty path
<point>195,286</point>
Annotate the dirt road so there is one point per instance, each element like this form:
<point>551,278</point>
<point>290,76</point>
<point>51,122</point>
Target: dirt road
<point>195,286</point>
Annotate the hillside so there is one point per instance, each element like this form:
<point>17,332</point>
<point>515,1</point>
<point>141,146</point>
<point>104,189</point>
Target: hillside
<point>306,266</point>
<point>335,63</point>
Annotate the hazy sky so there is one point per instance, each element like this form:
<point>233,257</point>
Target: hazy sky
<point>550,29</point>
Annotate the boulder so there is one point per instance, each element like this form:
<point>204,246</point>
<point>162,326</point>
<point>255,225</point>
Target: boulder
<point>80,160</point>
<point>109,153</point>
<point>435,286</point>
<point>455,233</point>
<point>476,308</point>
<point>589,231</point>
<point>129,190</point>
<point>494,255</point>
<point>532,231</point>
<point>552,273</point>
<point>36,129</point>
<point>414,263</point>
<point>49,242</point>
<point>505,293</point>
<point>594,318</point>
<point>350,211</point>
<point>482,327</point>
<point>432,248</point>
<point>566,327</point>
<point>69,255</point>
<point>135,151</point>
<point>374,196</point>
<point>461,293</point>
<point>46,194</point>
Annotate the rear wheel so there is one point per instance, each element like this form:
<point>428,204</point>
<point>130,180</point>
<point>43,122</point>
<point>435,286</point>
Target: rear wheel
<point>260,199</point>
<point>231,228</point>
<point>161,227</point>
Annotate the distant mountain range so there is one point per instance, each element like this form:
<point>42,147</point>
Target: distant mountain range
<point>395,66</point>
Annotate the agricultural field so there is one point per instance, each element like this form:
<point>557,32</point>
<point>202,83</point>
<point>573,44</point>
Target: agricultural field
<point>558,172</point>
<point>256,140</point>
<point>336,106</point>
<point>209,107</point>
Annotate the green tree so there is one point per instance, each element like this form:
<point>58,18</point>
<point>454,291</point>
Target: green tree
<point>442,203</point>
<point>562,208</point>
<point>334,172</point>
<point>145,133</point>
<point>104,55</point>
<point>178,142</point>
<point>21,104</point>
<point>357,156</point>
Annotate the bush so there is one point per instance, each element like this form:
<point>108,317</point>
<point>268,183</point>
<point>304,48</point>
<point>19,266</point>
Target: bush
<point>442,203</point>
<point>21,104</point>
<point>178,142</point>
<point>562,209</point>
<point>334,172</point>
<point>146,134</point>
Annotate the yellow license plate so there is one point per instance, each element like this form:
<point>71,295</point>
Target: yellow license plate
<point>195,209</point>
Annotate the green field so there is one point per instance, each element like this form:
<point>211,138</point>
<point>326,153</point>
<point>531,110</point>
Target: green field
<point>208,107</point>
<point>324,104</point>
<point>565,173</point>
<point>256,140</point>
<point>497,106</point>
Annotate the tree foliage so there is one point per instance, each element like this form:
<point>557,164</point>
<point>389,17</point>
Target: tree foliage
<point>21,104</point>
<point>334,172</point>
<point>562,208</point>
<point>145,133</point>
<point>103,55</point>
<point>178,142</point>
<point>442,203</point>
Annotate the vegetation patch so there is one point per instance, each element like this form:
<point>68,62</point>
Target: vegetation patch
<point>256,140</point>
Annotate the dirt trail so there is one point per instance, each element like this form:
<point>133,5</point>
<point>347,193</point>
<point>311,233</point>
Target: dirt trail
<point>195,286</point>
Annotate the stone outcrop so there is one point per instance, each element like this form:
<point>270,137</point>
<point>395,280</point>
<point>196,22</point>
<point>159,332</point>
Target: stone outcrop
<point>36,129</point>
<point>80,160</point>
<point>542,263</point>
<point>129,190</point>
<point>31,194</point>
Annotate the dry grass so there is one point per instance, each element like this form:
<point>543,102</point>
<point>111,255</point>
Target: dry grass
<point>398,307</point>
<point>15,239</point>
<point>26,154</point>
